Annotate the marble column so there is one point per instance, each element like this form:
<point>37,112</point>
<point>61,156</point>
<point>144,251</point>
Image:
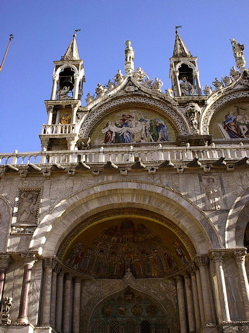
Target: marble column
<point>199,291</point>
<point>46,295</point>
<point>240,260</point>
<point>59,302</point>
<point>192,272</point>
<point>24,301</point>
<point>190,304</point>
<point>76,305</point>
<point>67,304</point>
<point>55,84</point>
<point>53,297</point>
<point>202,262</point>
<point>181,304</point>
<point>218,259</point>
<point>4,261</point>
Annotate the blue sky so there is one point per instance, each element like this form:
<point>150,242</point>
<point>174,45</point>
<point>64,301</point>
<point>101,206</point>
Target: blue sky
<point>43,29</point>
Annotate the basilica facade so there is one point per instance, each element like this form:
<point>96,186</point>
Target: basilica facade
<point>133,216</point>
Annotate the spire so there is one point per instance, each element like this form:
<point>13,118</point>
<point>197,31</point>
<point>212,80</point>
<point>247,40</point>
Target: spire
<point>72,52</point>
<point>180,49</point>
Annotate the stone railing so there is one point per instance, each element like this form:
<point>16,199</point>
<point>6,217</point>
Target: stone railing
<point>58,129</point>
<point>123,155</point>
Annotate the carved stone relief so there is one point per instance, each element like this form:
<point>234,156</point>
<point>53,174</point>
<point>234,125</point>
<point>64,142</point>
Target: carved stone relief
<point>214,196</point>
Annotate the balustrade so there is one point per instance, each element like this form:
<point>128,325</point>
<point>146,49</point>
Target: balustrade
<point>121,154</point>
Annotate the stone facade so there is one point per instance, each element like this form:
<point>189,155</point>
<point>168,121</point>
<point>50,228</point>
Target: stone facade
<point>134,216</point>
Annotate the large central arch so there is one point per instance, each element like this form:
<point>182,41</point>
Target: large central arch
<point>66,215</point>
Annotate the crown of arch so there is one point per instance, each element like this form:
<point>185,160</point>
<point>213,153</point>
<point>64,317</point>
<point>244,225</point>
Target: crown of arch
<point>63,67</point>
<point>70,212</point>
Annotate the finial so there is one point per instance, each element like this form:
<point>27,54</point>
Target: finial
<point>177,27</point>
<point>76,30</point>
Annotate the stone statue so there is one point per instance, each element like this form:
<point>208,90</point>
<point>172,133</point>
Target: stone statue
<point>235,74</point>
<point>63,93</point>
<point>129,58</point>
<point>193,112</point>
<point>207,90</point>
<point>89,98</point>
<point>28,205</point>
<point>217,84</point>
<point>227,80</point>
<point>119,77</point>
<point>169,92</point>
<point>100,90</point>
<point>186,87</point>
<point>6,306</point>
<point>238,52</point>
<point>157,84</point>
<point>139,75</point>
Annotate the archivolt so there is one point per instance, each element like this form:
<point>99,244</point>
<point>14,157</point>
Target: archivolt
<point>73,210</point>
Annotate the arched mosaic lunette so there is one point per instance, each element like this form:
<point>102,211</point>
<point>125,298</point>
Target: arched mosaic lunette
<point>216,106</point>
<point>171,113</point>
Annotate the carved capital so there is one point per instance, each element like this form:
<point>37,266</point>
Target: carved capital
<point>4,260</point>
<point>192,269</point>
<point>240,256</point>
<point>217,256</point>
<point>202,260</point>
<point>29,258</point>
<point>49,263</point>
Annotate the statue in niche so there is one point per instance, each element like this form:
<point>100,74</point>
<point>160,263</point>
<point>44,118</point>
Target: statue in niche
<point>63,93</point>
<point>238,51</point>
<point>65,119</point>
<point>186,87</point>
<point>212,189</point>
<point>28,206</point>
<point>6,306</point>
<point>193,112</point>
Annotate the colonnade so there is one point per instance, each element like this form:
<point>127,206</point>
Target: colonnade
<point>201,301</point>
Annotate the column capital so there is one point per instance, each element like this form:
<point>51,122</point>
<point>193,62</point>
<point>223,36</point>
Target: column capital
<point>192,269</point>
<point>49,263</point>
<point>239,255</point>
<point>202,260</point>
<point>217,256</point>
<point>29,258</point>
<point>4,260</point>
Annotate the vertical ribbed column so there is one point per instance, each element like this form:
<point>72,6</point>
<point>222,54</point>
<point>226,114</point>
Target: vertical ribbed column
<point>4,261</point>
<point>46,295</point>
<point>59,302</point>
<point>240,260</point>
<point>181,304</point>
<point>24,301</point>
<point>76,305</point>
<point>67,303</point>
<point>195,296</point>
<point>218,259</point>
<point>190,304</point>
<point>53,297</point>
<point>202,262</point>
<point>199,291</point>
